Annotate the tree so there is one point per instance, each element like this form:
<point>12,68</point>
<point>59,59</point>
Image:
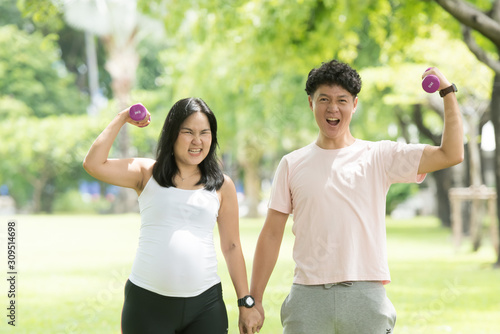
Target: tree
<point>251,59</point>
<point>117,24</point>
<point>481,33</point>
<point>35,79</point>
<point>418,112</point>
<point>38,163</point>
<point>35,90</point>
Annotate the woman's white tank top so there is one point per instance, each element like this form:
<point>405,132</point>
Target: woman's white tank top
<point>176,254</point>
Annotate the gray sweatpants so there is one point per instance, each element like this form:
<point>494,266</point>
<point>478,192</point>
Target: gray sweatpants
<point>352,308</point>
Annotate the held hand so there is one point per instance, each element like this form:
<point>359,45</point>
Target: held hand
<point>125,115</point>
<point>443,82</point>
<point>260,308</point>
<point>250,320</point>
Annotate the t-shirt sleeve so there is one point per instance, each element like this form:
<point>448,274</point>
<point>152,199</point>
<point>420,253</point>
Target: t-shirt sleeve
<point>281,198</point>
<point>402,161</point>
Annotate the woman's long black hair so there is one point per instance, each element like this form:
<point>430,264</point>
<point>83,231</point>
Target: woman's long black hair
<point>165,167</point>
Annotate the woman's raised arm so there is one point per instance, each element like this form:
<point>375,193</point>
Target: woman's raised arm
<point>129,173</point>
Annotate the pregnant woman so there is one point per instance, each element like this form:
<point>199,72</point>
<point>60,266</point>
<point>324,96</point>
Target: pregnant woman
<point>174,286</point>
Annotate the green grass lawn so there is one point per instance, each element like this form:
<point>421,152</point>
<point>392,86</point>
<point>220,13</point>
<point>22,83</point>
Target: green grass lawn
<point>72,270</point>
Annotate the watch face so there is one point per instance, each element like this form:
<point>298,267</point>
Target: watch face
<point>249,301</point>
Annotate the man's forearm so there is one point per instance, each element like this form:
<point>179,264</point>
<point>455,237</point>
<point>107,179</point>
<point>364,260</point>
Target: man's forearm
<point>266,255</point>
<point>452,140</point>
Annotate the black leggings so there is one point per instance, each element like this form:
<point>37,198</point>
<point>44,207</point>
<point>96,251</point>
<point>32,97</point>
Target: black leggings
<point>146,312</point>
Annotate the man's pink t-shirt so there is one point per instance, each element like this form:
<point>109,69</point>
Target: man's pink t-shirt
<point>337,198</point>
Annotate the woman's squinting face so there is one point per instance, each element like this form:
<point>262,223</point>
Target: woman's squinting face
<point>194,140</point>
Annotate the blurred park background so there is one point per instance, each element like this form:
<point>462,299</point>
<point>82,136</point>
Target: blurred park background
<point>68,66</point>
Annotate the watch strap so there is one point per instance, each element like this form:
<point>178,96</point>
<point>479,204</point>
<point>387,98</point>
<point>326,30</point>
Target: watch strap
<point>447,90</point>
<point>243,302</point>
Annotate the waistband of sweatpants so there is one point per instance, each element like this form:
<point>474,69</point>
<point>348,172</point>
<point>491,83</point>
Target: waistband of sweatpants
<point>347,284</point>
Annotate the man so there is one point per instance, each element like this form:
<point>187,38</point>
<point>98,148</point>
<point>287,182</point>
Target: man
<point>335,188</point>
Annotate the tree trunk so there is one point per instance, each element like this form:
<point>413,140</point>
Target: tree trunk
<point>122,64</point>
<point>444,182</point>
<point>48,196</point>
<point>473,119</point>
<point>486,23</point>
<point>495,118</point>
<point>38,187</point>
<point>252,181</point>
<point>444,177</point>
<point>37,195</point>
<point>252,189</point>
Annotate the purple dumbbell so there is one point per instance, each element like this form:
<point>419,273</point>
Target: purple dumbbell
<point>430,83</point>
<point>138,112</point>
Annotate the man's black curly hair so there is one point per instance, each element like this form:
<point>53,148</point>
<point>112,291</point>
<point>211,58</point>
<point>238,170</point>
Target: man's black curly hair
<point>334,73</point>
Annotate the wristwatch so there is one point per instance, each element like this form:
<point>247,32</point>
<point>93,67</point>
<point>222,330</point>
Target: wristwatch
<point>246,301</point>
<point>447,90</point>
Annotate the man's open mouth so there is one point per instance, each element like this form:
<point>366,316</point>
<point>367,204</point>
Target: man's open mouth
<point>333,121</point>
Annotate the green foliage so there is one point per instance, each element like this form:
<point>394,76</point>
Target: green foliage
<point>9,14</point>
<point>248,59</point>
<point>73,202</point>
<point>454,27</point>
<point>35,76</point>
<point>73,53</point>
<point>393,89</point>
<point>45,17</point>
<point>398,193</point>
<point>41,145</point>
<point>44,154</point>
<point>44,13</point>
<point>150,70</point>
